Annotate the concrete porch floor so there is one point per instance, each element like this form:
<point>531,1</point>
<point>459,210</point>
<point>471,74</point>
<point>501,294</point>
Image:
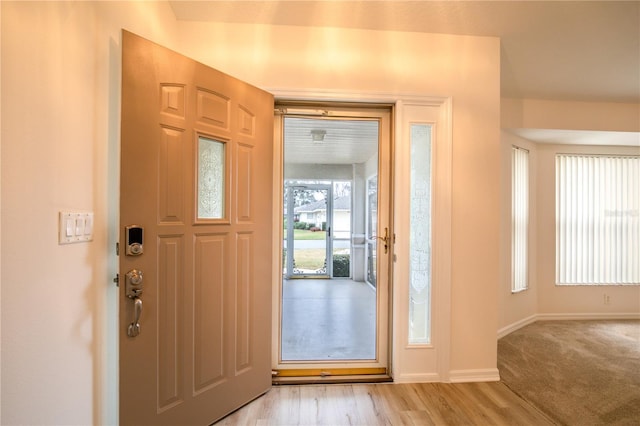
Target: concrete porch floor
<point>328,319</point>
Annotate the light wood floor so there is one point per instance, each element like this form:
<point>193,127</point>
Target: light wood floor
<point>389,404</point>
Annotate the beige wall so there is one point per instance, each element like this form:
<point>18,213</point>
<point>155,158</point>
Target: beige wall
<point>544,299</point>
<point>60,139</point>
<point>466,68</point>
<point>572,300</point>
<point>60,115</point>
<point>569,115</point>
<point>516,307</point>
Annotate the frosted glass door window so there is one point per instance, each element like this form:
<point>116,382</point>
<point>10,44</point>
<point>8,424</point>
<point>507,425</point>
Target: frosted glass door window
<point>420,235</point>
<point>211,174</point>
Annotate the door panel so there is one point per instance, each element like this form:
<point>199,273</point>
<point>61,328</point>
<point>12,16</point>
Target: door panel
<point>196,174</point>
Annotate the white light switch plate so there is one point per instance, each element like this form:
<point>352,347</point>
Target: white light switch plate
<point>75,227</point>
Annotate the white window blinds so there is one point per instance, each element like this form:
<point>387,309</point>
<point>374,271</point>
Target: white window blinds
<point>519,219</point>
<point>597,219</point>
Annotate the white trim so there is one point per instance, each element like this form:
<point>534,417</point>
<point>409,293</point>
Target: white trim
<point>418,378</point>
<point>435,358</point>
<point>348,96</point>
<point>441,315</point>
<point>316,95</point>
<point>516,325</point>
<point>504,331</point>
<point>443,220</point>
<point>588,316</point>
<point>478,375</point>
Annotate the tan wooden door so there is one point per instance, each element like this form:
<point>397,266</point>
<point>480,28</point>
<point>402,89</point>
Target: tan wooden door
<point>196,175</point>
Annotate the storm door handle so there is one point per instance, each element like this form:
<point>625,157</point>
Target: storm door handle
<point>385,239</point>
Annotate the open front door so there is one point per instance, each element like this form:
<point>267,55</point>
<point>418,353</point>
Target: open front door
<point>196,239</point>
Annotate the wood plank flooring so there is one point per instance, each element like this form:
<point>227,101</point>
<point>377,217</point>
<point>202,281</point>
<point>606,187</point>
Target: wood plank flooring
<point>389,404</point>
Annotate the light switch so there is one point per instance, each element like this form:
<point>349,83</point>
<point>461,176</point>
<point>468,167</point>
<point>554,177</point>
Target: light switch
<point>69,224</point>
<point>79,225</point>
<point>75,227</point>
<point>88,225</point>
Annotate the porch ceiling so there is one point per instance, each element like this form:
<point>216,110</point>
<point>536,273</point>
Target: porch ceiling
<point>343,141</point>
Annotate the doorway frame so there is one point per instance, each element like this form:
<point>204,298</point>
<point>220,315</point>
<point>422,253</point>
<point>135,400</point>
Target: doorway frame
<point>442,237</point>
<point>379,368</point>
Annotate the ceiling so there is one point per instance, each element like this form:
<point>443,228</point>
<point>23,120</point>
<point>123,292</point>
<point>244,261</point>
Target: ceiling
<point>558,50</point>
<point>338,141</point>
<point>565,50</point>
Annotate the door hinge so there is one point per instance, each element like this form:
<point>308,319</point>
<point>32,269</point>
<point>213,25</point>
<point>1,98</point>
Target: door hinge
<point>117,280</point>
<point>117,249</point>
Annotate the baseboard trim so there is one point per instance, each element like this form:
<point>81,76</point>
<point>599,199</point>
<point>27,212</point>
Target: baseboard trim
<point>517,325</point>
<point>587,316</point>
<point>417,378</point>
<point>479,375</point>
<point>504,331</point>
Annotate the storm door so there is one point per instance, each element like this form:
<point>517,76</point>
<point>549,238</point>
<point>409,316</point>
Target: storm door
<point>335,328</point>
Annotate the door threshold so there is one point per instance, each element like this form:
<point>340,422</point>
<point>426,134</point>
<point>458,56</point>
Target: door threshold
<point>309,277</point>
<point>326,380</point>
<point>335,375</point>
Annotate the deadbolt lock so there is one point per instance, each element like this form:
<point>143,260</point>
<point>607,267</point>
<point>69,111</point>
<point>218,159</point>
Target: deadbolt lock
<point>133,283</point>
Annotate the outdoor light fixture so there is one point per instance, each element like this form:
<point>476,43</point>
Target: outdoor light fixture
<point>318,135</point>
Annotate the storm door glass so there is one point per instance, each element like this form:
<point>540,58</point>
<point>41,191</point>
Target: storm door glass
<point>372,226</point>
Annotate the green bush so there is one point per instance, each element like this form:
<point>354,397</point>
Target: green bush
<point>341,265</point>
<point>300,225</point>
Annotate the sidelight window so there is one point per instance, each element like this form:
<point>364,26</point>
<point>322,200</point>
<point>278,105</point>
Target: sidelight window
<point>420,235</point>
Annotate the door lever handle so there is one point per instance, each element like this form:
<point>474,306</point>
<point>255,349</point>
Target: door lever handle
<point>134,327</point>
<point>385,239</point>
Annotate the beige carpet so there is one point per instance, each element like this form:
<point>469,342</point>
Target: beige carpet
<point>576,372</point>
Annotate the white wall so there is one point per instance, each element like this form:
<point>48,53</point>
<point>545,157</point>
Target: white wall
<point>60,139</point>
<point>0,220</point>
<point>60,67</point>
<point>569,115</point>
<point>544,299</point>
<point>317,171</point>
<point>575,301</point>
<point>60,115</point>
<point>516,307</point>
<point>466,68</point>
